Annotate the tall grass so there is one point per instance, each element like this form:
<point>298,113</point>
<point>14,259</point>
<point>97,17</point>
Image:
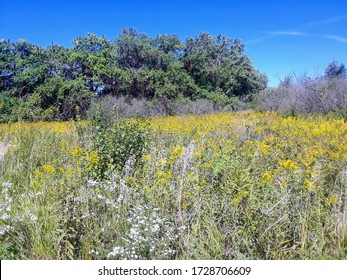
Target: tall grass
<point>227,186</point>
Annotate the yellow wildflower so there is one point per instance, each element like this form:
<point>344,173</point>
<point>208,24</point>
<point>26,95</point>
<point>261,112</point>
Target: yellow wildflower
<point>197,154</point>
<point>92,159</point>
<point>309,185</point>
<point>177,152</point>
<point>289,165</point>
<point>264,149</point>
<point>36,183</point>
<point>68,172</point>
<point>129,180</point>
<point>167,175</point>
<point>38,174</point>
<point>333,200</point>
<point>239,197</point>
<point>109,166</point>
<point>148,157</point>
<point>48,168</point>
<point>208,164</point>
<point>266,176</point>
<point>77,152</point>
<point>161,181</point>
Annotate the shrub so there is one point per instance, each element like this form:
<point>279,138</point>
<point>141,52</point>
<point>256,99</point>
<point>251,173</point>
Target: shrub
<point>109,106</point>
<point>305,95</point>
<point>116,143</point>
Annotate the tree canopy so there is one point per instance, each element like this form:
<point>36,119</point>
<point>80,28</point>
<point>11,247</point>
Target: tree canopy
<point>57,83</point>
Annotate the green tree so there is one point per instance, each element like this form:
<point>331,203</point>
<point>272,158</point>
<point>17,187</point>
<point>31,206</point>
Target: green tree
<point>51,83</point>
<point>91,55</point>
<point>218,64</point>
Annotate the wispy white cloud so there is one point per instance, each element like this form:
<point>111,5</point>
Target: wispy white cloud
<point>255,40</point>
<point>305,26</point>
<point>336,38</point>
<point>286,33</point>
<point>326,21</point>
<point>275,34</point>
<point>295,34</point>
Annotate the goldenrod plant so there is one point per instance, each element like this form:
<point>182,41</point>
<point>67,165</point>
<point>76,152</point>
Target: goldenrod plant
<point>243,185</point>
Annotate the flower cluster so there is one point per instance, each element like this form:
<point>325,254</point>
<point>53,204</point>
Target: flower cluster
<point>149,236</point>
<point>5,208</point>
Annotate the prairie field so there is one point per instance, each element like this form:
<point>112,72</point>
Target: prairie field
<point>241,185</point>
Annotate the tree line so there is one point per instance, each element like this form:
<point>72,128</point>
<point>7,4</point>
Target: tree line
<point>302,94</point>
<point>59,83</point>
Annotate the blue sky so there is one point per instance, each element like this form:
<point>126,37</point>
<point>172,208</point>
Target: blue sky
<point>281,37</point>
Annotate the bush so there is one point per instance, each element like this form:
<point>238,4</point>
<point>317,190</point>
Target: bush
<point>124,108</point>
<point>117,143</point>
<point>305,95</point>
<point>109,106</point>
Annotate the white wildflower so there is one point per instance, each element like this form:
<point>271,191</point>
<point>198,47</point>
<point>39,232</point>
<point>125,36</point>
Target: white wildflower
<point>32,217</point>
<point>7,184</point>
<point>5,229</point>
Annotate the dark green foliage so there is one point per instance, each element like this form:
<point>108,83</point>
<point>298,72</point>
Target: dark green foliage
<point>52,83</point>
<point>218,64</point>
<point>57,98</point>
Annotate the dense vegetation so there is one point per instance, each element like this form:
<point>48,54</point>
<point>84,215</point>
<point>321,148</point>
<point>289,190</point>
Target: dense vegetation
<point>238,185</point>
<point>305,95</point>
<point>59,83</point>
